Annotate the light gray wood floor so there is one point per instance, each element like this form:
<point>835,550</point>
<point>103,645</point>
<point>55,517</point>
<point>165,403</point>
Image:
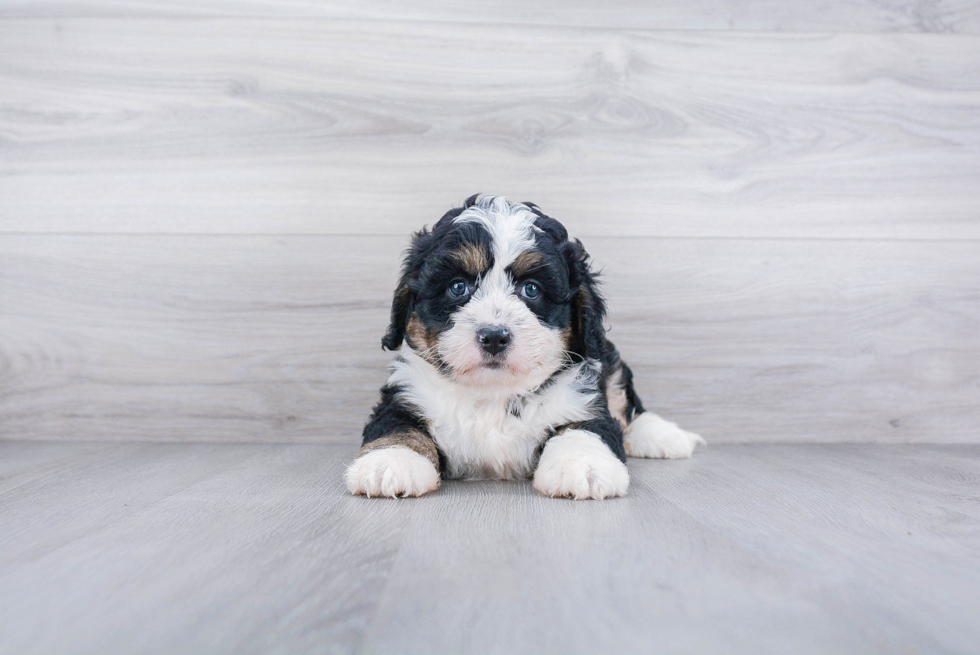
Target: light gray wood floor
<point>224,548</point>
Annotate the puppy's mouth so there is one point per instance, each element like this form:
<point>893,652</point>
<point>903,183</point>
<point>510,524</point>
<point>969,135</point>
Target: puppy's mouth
<point>492,363</point>
<point>489,363</point>
<point>502,362</point>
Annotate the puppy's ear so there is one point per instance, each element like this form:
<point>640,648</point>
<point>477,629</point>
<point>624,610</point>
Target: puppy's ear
<point>403,301</point>
<point>547,224</point>
<point>401,308</point>
<point>588,307</point>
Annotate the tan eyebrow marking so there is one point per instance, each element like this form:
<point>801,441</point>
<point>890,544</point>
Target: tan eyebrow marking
<point>525,263</point>
<point>473,259</point>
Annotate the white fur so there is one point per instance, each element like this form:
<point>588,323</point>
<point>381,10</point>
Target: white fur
<point>535,352</point>
<point>490,422</point>
<point>469,411</point>
<point>649,435</point>
<point>395,471</point>
<point>577,464</point>
<point>510,224</point>
<point>475,427</point>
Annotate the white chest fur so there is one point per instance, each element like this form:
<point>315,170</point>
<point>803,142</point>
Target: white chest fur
<point>489,433</point>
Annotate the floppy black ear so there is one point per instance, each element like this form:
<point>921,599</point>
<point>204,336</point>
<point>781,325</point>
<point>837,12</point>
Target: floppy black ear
<point>588,307</point>
<point>403,301</point>
<point>547,224</point>
<point>401,309</point>
<point>423,242</point>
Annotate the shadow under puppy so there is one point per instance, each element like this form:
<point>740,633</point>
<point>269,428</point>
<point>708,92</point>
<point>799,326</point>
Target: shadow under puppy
<point>503,368</point>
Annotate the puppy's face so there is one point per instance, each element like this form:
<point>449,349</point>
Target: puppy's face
<point>491,295</point>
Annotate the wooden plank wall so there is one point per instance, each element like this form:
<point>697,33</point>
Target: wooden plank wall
<point>202,204</point>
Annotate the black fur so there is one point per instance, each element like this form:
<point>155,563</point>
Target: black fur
<point>633,405</point>
<point>609,431</point>
<point>392,416</point>
<point>425,275</point>
<point>570,299</point>
<point>588,307</point>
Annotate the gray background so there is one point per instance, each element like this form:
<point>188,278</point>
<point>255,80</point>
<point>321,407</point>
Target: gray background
<point>202,208</point>
<point>202,204</point>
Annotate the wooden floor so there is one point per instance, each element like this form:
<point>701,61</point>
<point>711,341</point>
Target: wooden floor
<point>202,208</point>
<point>257,548</point>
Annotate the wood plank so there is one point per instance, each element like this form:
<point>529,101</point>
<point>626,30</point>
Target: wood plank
<point>740,550</point>
<point>300,126</point>
<point>945,16</point>
<point>200,338</point>
<point>796,548</point>
<point>277,338</point>
<point>830,341</point>
<point>148,473</point>
<point>20,464</point>
<point>266,553</point>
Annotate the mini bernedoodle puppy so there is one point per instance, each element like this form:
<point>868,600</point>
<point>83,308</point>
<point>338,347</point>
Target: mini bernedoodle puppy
<point>503,368</point>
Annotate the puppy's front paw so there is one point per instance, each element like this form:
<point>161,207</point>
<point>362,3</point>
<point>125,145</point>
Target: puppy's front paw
<point>577,464</point>
<point>395,471</point>
<point>648,435</point>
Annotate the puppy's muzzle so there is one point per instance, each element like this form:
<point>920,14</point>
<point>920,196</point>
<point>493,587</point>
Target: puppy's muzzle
<point>494,339</point>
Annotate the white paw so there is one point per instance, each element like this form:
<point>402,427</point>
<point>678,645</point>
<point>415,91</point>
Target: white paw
<point>577,464</point>
<point>651,436</point>
<point>394,471</point>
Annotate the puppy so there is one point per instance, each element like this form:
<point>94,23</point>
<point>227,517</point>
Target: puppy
<point>503,369</point>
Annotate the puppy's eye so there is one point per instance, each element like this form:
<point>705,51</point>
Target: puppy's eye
<point>458,289</point>
<point>531,291</point>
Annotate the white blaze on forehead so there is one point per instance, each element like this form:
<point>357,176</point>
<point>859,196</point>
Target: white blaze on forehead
<point>510,224</point>
<point>536,350</point>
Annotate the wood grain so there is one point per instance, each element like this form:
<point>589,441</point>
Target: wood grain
<point>334,126</point>
<point>202,206</point>
<point>260,553</point>
<point>21,465</point>
<point>229,548</point>
<point>95,472</point>
<point>940,16</point>
<point>714,545</point>
<point>277,338</point>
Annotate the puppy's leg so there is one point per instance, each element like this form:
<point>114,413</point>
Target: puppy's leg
<point>398,457</point>
<point>649,435</point>
<point>393,466</point>
<point>579,463</point>
<point>644,433</point>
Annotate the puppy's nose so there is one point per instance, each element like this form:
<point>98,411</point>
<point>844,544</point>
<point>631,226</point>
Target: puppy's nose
<point>493,339</point>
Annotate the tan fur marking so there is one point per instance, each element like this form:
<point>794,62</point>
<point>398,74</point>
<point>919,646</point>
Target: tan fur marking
<point>568,426</point>
<point>417,441</point>
<point>616,397</point>
<point>421,339</point>
<point>583,305</point>
<point>566,337</point>
<point>525,263</point>
<point>473,258</point>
